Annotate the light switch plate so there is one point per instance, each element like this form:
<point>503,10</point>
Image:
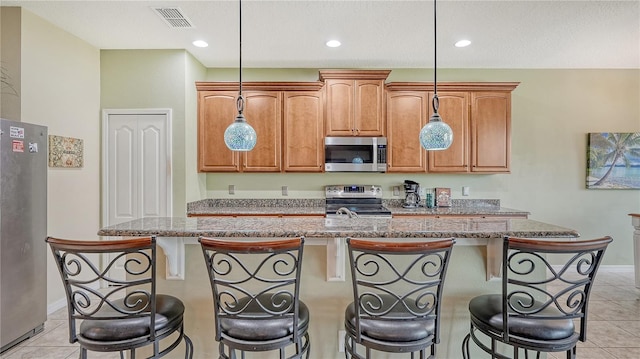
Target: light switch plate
<point>285,190</point>
<point>396,190</point>
<point>232,189</point>
<point>465,190</point>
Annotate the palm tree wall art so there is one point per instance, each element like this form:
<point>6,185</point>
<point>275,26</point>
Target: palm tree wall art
<point>613,160</point>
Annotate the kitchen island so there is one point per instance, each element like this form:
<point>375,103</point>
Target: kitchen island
<point>175,232</point>
<point>477,249</point>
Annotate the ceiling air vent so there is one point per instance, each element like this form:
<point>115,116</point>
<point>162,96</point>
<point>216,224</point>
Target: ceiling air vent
<point>173,17</point>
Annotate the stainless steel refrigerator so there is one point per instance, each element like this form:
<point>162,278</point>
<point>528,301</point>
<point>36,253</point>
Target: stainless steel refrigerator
<point>23,228</point>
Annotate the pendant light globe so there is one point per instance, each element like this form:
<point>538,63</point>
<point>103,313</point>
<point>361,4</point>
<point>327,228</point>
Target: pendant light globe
<point>240,136</point>
<point>436,135</point>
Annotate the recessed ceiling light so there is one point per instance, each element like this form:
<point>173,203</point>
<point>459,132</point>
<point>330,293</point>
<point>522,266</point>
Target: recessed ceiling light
<point>333,43</point>
<point>463,43</point>
<point>200,43</point>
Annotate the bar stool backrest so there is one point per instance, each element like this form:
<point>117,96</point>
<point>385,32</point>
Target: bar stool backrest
<point>535,288</point>
<point>254,279</point>
<point>82,277</point>
<point>398,280</point>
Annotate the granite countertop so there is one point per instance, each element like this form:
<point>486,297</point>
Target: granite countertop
<point>316,207</point>
<point>316,227</point>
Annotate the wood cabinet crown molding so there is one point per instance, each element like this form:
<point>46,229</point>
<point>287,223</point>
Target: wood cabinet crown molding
<point>452,86</point>
<point>259,86</point>
<point>354,74</point>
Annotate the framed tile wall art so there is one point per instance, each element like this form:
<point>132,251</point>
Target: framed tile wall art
<point>443,197</point>
<point>65,152</point>
<point>613,160</point>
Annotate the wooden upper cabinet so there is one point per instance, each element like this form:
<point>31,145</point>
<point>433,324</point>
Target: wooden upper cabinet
<point>354,102</point>
<point>491,132</point>
<point>479,114</point>
<point>454,111</point>
<point>292,118</point>
<point>303,131</point>
<point>406,115</point>
<point>268,105</point>
<point>340,114</point>
<point>217,110</point>
<point>263,113</point>
<point>481,124</point>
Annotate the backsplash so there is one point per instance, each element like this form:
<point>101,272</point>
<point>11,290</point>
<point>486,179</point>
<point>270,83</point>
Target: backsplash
<point>314,202</point>
<point>459,203</point>
<point>269,202</point>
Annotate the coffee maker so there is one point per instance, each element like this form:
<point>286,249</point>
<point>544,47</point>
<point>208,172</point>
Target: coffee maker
<point>411,194</point>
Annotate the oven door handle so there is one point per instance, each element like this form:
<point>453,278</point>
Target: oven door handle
<point>347,211</point>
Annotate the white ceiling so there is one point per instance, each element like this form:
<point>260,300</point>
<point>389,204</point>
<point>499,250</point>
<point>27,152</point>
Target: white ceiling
<point>374,34</point>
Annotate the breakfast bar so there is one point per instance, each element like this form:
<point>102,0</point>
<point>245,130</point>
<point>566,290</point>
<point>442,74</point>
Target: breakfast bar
<point>176,232</point>
<point>326,287</point>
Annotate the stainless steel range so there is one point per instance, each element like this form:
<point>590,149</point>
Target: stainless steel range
<point>362,201</point>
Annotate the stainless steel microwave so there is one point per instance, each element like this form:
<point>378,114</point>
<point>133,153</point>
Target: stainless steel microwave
<point>355,154</point>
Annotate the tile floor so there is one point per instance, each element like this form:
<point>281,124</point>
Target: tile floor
<point>613,331</point>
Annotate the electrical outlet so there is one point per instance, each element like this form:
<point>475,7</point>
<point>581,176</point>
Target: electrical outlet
<point>396,190</point>
<point>341,334</point>
<point>285,190</point>
<point>232,189</point>
<point>465,190</point>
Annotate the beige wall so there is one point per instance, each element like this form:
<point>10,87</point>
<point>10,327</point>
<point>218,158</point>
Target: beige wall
<point>10,38</point>
<point>146,79</point>
<point>195,182</point>
<point>61,90</point>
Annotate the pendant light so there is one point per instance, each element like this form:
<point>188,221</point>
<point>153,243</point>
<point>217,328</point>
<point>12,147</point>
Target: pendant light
<point>435,135</point>
<point>240,136</point>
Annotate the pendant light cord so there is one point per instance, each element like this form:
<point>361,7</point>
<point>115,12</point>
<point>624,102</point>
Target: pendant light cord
<point>240,102</point>
<point>436,101</point>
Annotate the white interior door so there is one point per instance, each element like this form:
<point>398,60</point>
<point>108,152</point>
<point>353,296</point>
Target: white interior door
<point>136,167</point>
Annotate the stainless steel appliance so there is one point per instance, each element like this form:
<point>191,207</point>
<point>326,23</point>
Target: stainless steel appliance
<point>355,154</point>
<point>23,228</point>
<point>412,194</point>
<point>360,201</point>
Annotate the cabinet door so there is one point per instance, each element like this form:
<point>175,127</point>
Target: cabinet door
<point>303,131</point>
<point>368,110</point>
<point>491,132</point>
<point>454,110</point>
<point>216,111</point>
<point>406,115</point>
<point>340,96</point>
<point>263,112</point>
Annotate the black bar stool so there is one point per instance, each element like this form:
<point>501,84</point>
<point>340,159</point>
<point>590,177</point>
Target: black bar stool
<point>539,301</point>
<point>256,290</point>
<point>127,314</point>
<point>397,292</point>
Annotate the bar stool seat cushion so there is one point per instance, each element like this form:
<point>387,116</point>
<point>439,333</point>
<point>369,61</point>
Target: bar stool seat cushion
<point>169,314</point>
<point>255,325</point>
<point>404,329</point>
<point>487,309</point>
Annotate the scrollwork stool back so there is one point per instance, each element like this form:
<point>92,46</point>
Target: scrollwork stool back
<point>256,290</point>
<point>397,289</point>
<point>540,301</point>
<point>111,314</point>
